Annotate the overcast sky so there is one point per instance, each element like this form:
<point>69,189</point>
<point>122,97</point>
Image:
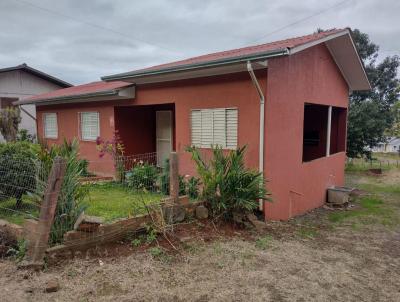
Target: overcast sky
<point>80,41</point>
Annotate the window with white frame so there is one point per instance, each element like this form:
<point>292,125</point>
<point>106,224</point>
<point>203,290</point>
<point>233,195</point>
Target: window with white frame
<point>214,127</point>
<point>50,125</point>
<point>89,126</point>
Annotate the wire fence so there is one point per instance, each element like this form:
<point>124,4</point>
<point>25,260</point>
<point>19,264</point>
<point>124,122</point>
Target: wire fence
<point>83,209</point>
<point>372,163</point>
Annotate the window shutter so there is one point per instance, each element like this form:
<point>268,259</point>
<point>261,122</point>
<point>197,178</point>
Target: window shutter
<point>231,128</point>
<point>196,128</point>
<point>219,127</point>
<point>50,125</point>
<point>90,129</point>
<point>214,127</point>
<point>206,128</point>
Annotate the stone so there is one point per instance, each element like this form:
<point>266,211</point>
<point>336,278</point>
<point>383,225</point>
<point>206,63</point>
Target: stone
<point>88,223</point>
<point>201,212</point>
<point>52,286</point>
<point>256,223</point>
<point>173,213</point>
<point>338,195</point>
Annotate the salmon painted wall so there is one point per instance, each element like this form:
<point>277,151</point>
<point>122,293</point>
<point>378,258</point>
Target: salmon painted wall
<point>235,90</point>
<point>68,127</point>
<point>310,76</point>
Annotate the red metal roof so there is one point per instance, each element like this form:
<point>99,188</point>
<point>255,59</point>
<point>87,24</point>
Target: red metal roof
<point>288,43</point>
<point>80,90</point>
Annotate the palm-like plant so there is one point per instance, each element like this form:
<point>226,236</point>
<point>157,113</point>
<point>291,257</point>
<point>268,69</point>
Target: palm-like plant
<point>228,186</point>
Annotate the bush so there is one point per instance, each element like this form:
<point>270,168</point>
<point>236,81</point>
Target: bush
<point>228,186</point>
<point>193,187</point>
<point>142,176</point>
<point>17,170</point>
<point>70,200</point>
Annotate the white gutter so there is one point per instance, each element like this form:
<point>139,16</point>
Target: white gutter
<point>262,122</point>
<point>328,132</point>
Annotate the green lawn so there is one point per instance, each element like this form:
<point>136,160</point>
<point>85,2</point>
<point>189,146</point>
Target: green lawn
<point>9,212</point>
<point>107,200</point>
<point>112,201</point>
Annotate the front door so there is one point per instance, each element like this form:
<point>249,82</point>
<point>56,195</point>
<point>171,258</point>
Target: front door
<point>163,135</point>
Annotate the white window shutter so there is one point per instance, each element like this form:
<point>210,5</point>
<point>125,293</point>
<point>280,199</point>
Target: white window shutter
<point>196,128</point>
<point>90,128</point>
<point>206,128</point>
<point>216,127</point>
<point>231,128</point>
<point>219,128</point>
<point>50,125</point>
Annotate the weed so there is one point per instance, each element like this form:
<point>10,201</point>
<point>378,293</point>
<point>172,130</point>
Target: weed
<point>151,234</point>
<point>136,242</point>
<point>19,251</point>
<point>307,232</point>
<point>264,242</point>
<point>159,254</point>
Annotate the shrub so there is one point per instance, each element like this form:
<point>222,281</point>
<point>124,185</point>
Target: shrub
<point>70,200</point>
<point>193,187</point>
<point>228,186</point>
<point>17,170</point>
<point>142,176</point>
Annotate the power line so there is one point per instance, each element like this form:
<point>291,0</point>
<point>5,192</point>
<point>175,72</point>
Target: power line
<point>301,20</point>
<point>93,25</point>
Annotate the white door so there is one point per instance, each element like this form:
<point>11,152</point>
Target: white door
<point>163,135</point>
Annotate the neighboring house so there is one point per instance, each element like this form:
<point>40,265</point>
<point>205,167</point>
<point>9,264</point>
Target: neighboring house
<point>23,81</point>
<point>287,101</point>
<point>391,146</point>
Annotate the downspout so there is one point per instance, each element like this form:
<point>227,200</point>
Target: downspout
<point>262,122</point>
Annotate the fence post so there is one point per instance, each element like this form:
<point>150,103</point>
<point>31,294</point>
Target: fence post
<point>173,176</point>
<point>39,243</point>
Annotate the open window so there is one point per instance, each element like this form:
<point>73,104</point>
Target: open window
<point>320,122</point>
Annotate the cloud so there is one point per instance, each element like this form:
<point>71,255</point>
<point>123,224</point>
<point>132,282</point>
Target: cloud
<point>68,38</point>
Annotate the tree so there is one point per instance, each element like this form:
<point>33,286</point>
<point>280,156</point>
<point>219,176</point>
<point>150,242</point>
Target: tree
<point>370,112</point>
<point>10,118</point>
<point>394,131</point>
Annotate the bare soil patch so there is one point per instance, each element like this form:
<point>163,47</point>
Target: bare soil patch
<point>308,258</point>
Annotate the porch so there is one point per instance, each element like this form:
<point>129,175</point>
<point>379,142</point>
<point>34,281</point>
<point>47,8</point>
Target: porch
<point>147,129</point>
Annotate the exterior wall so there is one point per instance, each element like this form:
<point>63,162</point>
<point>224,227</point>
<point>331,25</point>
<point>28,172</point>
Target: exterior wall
<point>234,90</point>
<point>68,128</point>
<point>309,76</point>
<point>20,84</point>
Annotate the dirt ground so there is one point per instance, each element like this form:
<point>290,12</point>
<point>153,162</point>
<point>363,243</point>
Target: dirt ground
<point>305,259</point>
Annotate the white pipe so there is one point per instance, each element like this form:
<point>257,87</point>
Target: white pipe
<point>262,122</point>
<point>328,132</point>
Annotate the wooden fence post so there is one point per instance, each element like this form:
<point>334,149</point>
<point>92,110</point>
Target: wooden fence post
<point>39,243</point>
<point>173,177</point>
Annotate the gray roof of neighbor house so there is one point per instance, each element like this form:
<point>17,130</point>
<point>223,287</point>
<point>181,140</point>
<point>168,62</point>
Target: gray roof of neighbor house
<point>338,41</point>
<point>37,73</point>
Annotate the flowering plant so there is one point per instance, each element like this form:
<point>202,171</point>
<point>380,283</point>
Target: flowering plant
<point>114,147</point>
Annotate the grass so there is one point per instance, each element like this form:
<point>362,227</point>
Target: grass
<point>107,200</point>
<point>112,201</point>
<point>372,210</point>
<point>9,212</point>
<point>264,242</point>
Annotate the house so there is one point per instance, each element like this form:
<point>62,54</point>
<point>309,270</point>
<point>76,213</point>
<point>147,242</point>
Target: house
<point>23,81</point>
<point>392,145</point>
<point>286,100</point>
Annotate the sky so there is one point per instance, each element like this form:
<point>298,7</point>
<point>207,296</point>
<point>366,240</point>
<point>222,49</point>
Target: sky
<point>81,40</point>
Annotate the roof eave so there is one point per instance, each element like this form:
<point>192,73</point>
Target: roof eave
<point>196,66</point>
<point>127,92</point>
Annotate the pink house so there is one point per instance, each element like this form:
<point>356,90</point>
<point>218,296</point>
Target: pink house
<point>286,100</point>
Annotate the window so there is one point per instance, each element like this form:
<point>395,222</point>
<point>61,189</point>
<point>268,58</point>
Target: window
<point>315,131</point>
<point>50,125</point>
<point>215,127</point>
<point>90,128</point>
